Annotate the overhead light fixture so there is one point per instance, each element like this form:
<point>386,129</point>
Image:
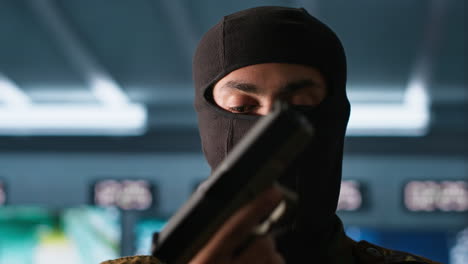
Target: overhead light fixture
<point>114,116</point>
<point>411,117</point>
<point>20,117</point>
<point>73,120</point>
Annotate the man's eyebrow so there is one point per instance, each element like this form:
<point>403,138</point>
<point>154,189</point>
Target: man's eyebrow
<point>242,86</point>
<point>288,88</point>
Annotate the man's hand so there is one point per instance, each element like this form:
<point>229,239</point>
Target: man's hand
<point>223,246</point>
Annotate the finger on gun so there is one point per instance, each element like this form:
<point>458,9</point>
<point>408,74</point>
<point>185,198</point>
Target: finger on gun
<point>239,227</point>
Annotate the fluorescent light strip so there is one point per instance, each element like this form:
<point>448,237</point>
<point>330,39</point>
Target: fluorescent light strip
<point>11,94</point>
<point>410,118</point>
<point>20,117</point>
<point>73,120</point>
<point>391,120</point>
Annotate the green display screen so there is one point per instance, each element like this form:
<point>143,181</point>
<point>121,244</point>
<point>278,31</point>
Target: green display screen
<point>82,235</point>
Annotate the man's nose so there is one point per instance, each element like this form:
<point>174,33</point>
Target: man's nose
<point>269,104</point>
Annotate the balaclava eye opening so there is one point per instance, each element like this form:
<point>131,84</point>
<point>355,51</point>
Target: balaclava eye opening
<point>280,35</point>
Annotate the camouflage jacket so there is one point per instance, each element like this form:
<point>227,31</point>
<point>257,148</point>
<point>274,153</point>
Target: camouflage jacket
<point>361,252</point>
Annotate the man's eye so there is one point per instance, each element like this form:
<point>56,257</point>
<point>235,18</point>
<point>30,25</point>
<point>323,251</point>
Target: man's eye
<point>242,109</point>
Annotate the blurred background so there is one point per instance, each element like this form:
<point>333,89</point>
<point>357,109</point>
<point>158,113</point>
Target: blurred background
<point>99,141</point>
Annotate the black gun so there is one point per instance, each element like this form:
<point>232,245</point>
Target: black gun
<point>260,158</point>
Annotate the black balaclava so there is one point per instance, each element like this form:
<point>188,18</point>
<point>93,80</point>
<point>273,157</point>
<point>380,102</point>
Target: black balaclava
<point>281,35</point>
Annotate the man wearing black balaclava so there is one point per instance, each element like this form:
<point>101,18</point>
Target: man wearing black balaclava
<point>240,67</point>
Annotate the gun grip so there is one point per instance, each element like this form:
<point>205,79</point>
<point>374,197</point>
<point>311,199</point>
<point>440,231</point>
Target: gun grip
<point>279,220</point>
